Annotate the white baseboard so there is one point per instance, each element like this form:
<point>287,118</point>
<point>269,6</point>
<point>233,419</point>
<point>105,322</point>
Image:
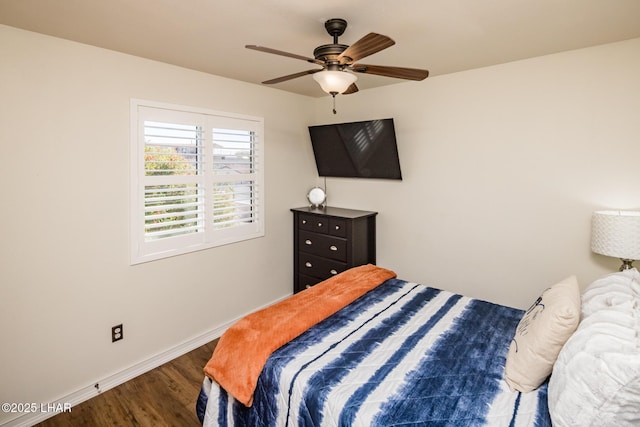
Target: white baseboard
<point>107,383</point>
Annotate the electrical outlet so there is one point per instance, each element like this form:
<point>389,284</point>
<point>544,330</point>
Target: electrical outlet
<point>117,333</point>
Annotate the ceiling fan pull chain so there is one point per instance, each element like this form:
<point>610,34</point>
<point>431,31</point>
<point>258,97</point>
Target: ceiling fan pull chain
<point>333,95</point>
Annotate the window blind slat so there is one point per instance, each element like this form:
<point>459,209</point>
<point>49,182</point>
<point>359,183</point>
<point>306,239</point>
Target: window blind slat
<point>172,225</point>
<point>168,207</point>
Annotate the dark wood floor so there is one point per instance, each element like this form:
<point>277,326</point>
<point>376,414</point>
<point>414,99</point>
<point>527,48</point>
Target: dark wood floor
<point>165,396</point>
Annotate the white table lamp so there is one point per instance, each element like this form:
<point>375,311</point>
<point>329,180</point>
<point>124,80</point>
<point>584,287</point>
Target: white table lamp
<point>617,234</point>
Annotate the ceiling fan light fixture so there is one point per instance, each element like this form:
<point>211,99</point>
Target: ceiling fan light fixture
<point>334,82</point>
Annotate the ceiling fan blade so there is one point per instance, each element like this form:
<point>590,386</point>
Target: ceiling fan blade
<point>368,45</point>
<point>351,89</point>
<point>282,53</point>
<point>397,72</point>
<point>291,76</point>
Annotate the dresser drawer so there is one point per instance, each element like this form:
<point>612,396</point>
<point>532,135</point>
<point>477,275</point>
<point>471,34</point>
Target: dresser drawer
<point>305,282</point>
<point>315,266</point>
<point>315,223</point>
<point>323,245</point>
<point>338,227</point>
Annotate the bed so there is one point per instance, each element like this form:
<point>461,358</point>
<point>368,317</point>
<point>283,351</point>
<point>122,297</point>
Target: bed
<point>394,353</point>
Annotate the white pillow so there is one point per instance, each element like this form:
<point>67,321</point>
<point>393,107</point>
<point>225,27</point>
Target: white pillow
<point>541,333</point>
<point>596,379</point>
<point>612,290</point>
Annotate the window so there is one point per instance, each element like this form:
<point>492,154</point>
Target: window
<point>196,179</point>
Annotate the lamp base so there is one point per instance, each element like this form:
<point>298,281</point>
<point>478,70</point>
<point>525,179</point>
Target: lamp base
<point>626,264</point>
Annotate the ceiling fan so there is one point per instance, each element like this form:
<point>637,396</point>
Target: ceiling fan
<point>338,61</point>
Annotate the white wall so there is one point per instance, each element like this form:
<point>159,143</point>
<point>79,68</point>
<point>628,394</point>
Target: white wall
<point>502,168</point>
<point>65,276</point>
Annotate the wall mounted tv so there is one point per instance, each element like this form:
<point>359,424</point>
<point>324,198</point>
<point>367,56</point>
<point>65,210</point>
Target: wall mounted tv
<point>364,149</point>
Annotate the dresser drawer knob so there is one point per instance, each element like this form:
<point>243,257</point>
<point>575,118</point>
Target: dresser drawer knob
<point>333,248</point>
<point>319,224</point>
<point>308,242</point>
<point>308,264</point>
<point>337,227</point>
<point>333,272</point>
<point>304,221</point>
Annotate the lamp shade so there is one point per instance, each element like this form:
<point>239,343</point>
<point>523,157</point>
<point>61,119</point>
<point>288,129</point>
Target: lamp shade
<point>334,81</point>
<point>616,234</point>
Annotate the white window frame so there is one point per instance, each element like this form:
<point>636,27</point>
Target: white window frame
<point>142,249</point>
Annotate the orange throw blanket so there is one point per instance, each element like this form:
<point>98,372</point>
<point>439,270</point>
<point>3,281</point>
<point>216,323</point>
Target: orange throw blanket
<point>244,348</point>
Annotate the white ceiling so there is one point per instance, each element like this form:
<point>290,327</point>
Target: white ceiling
<point>443,36</point>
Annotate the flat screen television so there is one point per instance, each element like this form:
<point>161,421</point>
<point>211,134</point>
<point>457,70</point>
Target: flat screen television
<point>364,149</point>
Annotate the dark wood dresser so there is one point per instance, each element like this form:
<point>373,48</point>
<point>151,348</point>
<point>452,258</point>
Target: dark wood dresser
<point>330,240</point>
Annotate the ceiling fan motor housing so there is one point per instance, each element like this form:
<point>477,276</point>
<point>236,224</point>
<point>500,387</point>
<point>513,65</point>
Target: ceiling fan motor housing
<point>329,52</point>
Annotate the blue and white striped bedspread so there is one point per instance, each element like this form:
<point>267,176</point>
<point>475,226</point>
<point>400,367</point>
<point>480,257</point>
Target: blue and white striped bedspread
<point>403,354</point>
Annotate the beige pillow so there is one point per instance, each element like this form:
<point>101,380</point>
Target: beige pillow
<point>540,335</point>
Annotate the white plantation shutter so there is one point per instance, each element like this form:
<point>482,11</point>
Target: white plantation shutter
<point>173,180</point>
<point>196,180</point>
<point>237,184</point>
